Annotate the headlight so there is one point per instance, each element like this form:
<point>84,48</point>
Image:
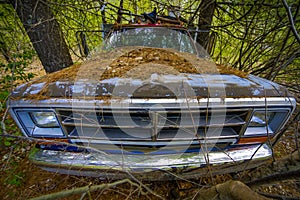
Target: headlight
<point>263,123</point>
<point>39,123</point>
<point>44,119</point>
<point>261,118</point>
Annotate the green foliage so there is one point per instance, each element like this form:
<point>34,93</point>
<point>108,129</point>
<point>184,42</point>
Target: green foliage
<point>3,95</point>
<point>257,38</point>
<point>16,51</point>
<point>10,126</point>
<point>14,176</point>
<point>15,179</point>
<point>8,142</point>
<point>79,16</point>
<point>13,37</point>
<point>16,69</point>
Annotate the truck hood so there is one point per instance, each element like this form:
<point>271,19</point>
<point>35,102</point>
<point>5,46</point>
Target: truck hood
<point>139,72</point>
<point>157,86</point>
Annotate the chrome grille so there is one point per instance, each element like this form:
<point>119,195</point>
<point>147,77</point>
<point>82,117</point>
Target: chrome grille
<point>154,125</point>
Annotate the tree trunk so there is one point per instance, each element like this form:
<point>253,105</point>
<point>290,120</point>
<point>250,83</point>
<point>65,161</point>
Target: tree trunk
<point>44,33</point>
<point>206,12</point>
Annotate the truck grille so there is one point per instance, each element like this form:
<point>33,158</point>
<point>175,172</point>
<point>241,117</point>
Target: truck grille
<point>142,125</point>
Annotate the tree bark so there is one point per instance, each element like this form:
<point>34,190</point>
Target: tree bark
<point>206,12</point>
<point>44,33</point>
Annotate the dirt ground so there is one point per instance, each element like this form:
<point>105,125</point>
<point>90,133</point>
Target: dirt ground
<point>20,179</point>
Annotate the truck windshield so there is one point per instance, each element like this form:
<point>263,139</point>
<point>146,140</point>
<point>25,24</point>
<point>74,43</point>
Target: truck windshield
<point>158,37</point>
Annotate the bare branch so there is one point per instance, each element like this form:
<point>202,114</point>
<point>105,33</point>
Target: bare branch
<point>288,10</point>
<point>85,189</point>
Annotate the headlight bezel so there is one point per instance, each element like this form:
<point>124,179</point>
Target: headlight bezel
<point>271,121</point>
<point>32,127</point>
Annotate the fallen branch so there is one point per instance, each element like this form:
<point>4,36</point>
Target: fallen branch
<point>3,128</point>
<point>289,175</point>
<point>279,197</point>
<point>286,168</point>
<point>82,190</point>
<point>233,190</point>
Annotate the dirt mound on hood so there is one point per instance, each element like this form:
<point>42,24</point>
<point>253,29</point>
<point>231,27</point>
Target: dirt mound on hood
<point>132,62</point>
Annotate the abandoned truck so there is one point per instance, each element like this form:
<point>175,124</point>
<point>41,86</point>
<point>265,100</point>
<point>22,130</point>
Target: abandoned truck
<point>152,104</point>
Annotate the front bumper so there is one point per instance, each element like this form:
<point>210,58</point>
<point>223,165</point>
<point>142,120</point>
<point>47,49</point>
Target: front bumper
<point>157,167</point>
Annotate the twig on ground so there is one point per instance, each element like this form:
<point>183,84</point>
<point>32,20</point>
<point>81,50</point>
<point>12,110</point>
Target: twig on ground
<point>3,123</point>
<point>85,189</point>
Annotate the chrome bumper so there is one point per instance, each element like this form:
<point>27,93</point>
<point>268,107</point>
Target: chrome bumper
<point>79,163</point>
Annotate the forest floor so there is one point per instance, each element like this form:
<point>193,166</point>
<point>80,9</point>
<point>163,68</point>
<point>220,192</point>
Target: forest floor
<point>20,179</point>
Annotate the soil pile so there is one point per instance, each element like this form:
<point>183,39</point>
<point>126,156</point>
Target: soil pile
<point>132,62</point>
